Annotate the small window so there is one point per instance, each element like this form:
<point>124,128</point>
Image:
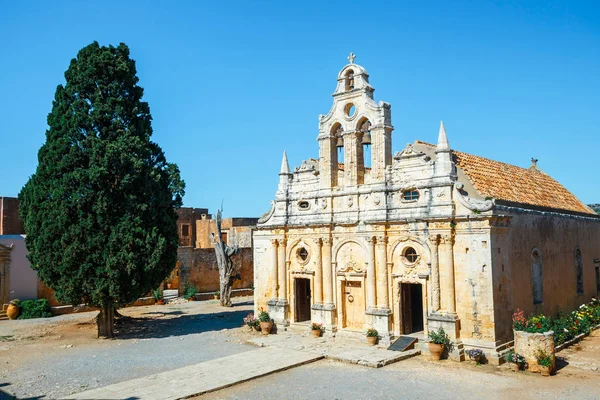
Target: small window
<point>579,271</point>
<point>410,195</point>
<point>597,279</point>
<point>411,255</point>
<point>537,277</point>
<point>224,237</point>
<point>303,205</point>
<point>303,254</point>
<point>185,230</point>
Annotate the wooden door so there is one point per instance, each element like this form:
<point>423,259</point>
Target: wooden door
<point>354,305</point>
<point>302,289</point>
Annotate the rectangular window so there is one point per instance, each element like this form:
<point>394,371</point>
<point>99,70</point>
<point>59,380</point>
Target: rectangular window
<point>597,279</point>
<point>224,237</point>
<point>185,230</point>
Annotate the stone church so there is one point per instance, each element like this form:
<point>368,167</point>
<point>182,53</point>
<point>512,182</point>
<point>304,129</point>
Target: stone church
<point>423,238</point>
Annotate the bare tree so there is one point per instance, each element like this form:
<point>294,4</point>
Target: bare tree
<point>228,271</point>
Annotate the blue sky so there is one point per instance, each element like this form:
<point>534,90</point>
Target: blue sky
<point>232,84</point>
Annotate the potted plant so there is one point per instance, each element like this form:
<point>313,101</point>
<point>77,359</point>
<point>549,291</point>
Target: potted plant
<point>517,361</point>
<point>189,291</point>
<point>13,310</point>
<point>266,323</point>
<point>372,336</point>
<point>475,355</point>
<point>216,295</point>
<point>251,322</point>
<point>158,296</point>
<point>544,362</point>
<point>316,329</point>
<point>438,341</point>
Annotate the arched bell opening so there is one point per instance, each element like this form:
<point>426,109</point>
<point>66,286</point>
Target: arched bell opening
<point>349,80</point>
<point>364,126</point>
<point>337,132</point>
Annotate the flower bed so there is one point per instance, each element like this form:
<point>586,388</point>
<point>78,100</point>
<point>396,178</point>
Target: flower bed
<point>566,326</point>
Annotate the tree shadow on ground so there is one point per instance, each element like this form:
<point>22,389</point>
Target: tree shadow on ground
<point>7,396</point>
<point>162,313</point>
<point>181,325</point>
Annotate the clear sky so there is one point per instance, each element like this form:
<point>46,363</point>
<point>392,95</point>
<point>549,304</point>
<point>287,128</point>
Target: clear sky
<point>232,84</point>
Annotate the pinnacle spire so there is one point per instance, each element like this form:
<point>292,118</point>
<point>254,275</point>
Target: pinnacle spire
<point>442,144</point>
<point>285,166</point>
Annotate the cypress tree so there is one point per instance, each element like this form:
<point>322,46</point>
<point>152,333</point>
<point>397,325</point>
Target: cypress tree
<point>99,212</point>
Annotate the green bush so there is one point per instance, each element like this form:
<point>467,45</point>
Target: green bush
<point>189,291</point>
<point>35,309</point>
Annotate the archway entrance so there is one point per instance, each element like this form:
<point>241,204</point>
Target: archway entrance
<point>411,306</point>
<point>302,291</point>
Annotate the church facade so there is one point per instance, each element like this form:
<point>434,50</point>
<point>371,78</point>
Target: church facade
<point>424,238</point>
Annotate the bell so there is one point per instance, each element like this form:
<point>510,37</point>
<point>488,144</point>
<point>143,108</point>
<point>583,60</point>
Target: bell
<point>366,139</point>
<point>340,142</point>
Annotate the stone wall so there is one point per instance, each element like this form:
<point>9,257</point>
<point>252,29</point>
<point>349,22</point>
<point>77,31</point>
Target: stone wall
<point>556,237</point>
<point>199,267</point>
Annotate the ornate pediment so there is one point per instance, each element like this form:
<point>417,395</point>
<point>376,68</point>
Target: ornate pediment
<point>410,152</point>
<point>351,266</point>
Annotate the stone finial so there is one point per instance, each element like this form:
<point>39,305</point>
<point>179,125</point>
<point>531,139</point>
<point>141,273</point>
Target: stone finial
<point>351,57</point>
<point>534,162</point>
<point>443,144</point>
<point>285,166</point>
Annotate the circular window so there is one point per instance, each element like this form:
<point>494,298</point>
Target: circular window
<point>410,255</point>
<point>350,109</point>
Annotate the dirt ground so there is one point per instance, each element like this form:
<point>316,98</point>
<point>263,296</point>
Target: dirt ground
<point>53,357</point>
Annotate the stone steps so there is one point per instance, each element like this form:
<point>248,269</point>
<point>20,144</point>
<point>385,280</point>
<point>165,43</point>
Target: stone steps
<point>3,315</point>
<point>170,294</point>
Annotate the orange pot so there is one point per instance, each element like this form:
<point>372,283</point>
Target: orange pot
<point>265,327</point>
<point>12,312</point>
<point>436,351</point>
<point>372,340</point>
<point>315,332</point>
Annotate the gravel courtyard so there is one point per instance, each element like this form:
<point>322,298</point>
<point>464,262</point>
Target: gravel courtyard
<point>54,357</point>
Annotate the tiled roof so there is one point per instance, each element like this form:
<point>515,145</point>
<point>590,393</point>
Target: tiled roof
<point>515,184</point>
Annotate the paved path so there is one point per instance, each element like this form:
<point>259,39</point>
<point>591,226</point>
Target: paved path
<point>204,377</point>
<point>338,349</point>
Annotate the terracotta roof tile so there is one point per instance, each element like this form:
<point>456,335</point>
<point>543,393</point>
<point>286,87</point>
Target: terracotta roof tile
<point>515,184</point>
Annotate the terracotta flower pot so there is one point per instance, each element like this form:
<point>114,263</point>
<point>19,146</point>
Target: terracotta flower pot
<point>169,285</point>
<point>315,332</point>
<point>515,367</point>
<point>372,340</point>
<point>436,351</point>
<point>12,312</point>
<point>545,370</point>
<point>191,298</point>
<point>216,296</point>
<point>265,327</point>
<point>160,302</point>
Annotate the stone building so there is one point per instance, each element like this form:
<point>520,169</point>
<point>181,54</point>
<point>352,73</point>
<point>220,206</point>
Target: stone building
<point>424,238</point>
<point>197,263</point>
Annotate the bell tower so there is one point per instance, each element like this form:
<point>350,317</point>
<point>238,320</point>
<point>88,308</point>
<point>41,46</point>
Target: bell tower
<point>354,122</point>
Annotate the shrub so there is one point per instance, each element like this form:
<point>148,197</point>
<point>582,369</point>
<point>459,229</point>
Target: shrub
<point>440,337</point>
<point>189,291</point>
<point>35,309</point>
<point>371,332</point>
<point>544,359</point>
<point>263,316</point>
<point>251,321</point>
<point>157,294</point>
<point>315,326</point>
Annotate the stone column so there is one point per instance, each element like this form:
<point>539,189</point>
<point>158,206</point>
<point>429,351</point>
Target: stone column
<point>382,275</point>
<point>370,273</point>
<point>282,273</point>
<point>435,274</point>
<point>318,272</point>
<point>327,272</point>
<point>448,241</point>
<point>274,281</point>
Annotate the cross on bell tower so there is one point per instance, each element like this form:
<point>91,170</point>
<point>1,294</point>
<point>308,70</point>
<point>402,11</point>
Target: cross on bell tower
<point>351,57</point>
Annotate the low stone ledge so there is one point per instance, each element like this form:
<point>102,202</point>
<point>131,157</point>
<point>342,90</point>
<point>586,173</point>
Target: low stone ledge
<point>576,339</point>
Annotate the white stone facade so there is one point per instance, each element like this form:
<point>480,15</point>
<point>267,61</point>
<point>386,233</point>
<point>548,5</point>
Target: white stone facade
<point>403,246</point>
